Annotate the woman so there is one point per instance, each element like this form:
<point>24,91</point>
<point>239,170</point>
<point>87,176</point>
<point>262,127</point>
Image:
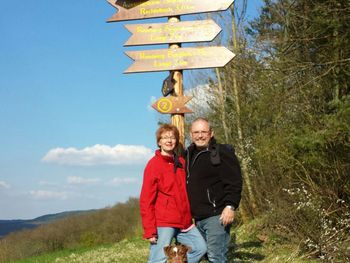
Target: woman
<point>164,205</point>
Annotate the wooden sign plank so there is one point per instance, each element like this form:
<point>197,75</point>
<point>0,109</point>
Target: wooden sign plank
<point>172,105</point>
<point>130,10</point>
<point>178,59</point>
<point>167,33</point>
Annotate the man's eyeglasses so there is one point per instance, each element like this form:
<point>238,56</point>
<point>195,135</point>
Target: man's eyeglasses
<point>196,133</point>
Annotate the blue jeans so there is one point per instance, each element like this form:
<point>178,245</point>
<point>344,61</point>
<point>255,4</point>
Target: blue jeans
<point>217,237</point>
<point>192,238</point>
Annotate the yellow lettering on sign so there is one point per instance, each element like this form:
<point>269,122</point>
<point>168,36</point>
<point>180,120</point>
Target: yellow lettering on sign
<point>162,64</point>
<point>174,36</point>
<point>158,38</point>
<point>164,105</point>
<point>184,7</point>
<point>179,54</point>
<point>144,11</point>
<point>140,3</point>
<point>176,29</point>
<point>181,63</point>
<point>151,2</point>
<point>169,64</point>
<point>145,56</point>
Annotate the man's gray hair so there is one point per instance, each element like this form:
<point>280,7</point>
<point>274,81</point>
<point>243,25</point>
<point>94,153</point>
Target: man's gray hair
<point>201,119</point>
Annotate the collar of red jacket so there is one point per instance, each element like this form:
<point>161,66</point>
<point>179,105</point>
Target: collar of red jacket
<point>164,157</point>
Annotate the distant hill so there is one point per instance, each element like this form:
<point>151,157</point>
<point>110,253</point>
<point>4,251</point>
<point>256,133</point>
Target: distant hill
<point>9,226</point>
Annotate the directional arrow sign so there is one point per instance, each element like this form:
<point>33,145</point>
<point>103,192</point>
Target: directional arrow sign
<point>172,105</point>
<point>166,33</point>
<point>178,58</point>
<point>129,10</point>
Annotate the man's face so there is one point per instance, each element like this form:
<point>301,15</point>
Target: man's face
<point>201,134</point>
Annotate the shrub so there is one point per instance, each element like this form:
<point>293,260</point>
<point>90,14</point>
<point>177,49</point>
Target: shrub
<point>322,225</point>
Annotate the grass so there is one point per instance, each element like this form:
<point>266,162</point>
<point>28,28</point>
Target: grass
<point>251,244</point>
<point>133,251</point>
<point>248,245</point>
<point>51,257</point>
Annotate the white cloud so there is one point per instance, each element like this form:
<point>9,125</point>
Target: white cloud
<point>120,181</point>
<point>46,183</point>
<point>99,155</point>
<point>4,185</point>
<point>43,194</point>
<point>81,181</point>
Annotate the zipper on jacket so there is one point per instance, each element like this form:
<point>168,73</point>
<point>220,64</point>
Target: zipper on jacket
<point>211,201</point>
<point>195,158</point>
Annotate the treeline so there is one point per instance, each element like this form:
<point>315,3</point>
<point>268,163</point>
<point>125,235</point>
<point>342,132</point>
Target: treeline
<point>103,226</point>
<point>284,103</point>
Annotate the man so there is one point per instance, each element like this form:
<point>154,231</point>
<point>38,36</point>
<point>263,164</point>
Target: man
<point>214,188</point>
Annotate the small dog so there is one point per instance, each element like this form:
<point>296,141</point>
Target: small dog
<point>177,253</point>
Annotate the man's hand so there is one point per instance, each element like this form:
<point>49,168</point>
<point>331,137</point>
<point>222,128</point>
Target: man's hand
<point>227,216</point>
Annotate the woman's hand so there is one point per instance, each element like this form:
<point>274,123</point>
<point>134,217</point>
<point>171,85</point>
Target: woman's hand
<point>152,240</point>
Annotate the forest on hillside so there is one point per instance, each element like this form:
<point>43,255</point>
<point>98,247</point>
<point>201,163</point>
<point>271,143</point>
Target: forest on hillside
<point>81,230</point>
<point>284,103</point>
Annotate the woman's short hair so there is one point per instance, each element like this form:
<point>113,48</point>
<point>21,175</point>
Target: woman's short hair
<point>165,128</point>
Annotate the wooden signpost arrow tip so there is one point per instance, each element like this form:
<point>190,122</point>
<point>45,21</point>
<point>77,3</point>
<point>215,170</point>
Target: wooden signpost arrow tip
<point>172,105</point>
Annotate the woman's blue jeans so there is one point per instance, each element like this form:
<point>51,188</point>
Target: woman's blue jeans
<point>192,239</point>
<point>217,237</point>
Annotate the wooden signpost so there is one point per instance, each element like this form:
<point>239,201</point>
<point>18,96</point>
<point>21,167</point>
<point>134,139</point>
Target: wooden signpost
<point>167,33</point>
<point>178,58</point>
<point>175,32</point>
<point>130,10</point>
<point>172,105</point>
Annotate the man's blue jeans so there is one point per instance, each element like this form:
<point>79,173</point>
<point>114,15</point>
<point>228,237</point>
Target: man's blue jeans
<point>192,239</point>
<point>217,237</point>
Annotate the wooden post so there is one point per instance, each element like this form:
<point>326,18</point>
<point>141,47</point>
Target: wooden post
<point>178,119</point>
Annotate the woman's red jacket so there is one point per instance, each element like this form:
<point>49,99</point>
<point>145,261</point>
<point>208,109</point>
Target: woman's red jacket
<point>163,199</point>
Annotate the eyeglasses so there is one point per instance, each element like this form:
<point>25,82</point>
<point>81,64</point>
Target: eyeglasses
<point>165,138</point>
<point>196,133</point>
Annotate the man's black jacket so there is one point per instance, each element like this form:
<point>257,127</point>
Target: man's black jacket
<point>211,187</point>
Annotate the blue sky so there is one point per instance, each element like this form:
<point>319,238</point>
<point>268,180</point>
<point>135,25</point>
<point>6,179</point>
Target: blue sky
<point>75,132</point>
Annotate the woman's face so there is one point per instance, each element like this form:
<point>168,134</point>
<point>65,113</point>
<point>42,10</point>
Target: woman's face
<point>167,142</point>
